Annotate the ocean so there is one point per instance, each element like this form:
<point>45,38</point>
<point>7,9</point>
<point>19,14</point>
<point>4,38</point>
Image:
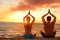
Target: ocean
<point>11,29</point>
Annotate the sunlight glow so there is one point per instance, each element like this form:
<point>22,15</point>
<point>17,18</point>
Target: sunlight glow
<point>17,16</point>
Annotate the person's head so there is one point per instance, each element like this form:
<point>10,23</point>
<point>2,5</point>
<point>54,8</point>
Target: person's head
<point>28,19</point>
<point>49,18</point>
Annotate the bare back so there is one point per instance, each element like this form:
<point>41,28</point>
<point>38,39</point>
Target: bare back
<point>49,27</point>
<point>28,27</point>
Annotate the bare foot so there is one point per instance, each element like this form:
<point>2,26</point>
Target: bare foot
<point>41,31</point>
<point>34,35</point>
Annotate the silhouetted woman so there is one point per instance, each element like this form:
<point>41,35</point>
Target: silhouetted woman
<point>28,26</point>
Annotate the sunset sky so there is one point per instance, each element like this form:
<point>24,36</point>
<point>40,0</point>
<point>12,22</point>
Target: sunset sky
<point>15,10</point>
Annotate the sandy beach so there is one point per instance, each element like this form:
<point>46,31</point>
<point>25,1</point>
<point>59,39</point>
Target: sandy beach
<point>37,38</point>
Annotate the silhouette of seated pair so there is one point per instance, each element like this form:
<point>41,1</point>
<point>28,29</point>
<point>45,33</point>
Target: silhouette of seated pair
<point>49,31</point>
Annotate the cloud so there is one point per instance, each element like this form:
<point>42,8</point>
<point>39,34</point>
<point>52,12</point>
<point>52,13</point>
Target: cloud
<point>7,3</point>
<point>57,1</point>
<point>39,2</point>
<point>33,4</point>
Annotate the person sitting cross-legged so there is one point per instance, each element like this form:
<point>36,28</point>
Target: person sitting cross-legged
<point>28,26</point>
<point>49,31</point>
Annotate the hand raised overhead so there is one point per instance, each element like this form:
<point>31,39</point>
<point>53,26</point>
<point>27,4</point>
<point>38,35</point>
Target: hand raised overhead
<point>29,13</point>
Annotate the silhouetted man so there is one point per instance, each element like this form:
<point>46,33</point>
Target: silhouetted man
<point>48,26</point>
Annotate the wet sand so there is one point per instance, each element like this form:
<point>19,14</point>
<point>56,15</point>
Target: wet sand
<point>37,38</point>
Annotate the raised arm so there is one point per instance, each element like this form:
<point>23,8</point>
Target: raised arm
<point>54,20</point>
<point>24,18</point>
<point>43,17</point>
<point>33,18</point>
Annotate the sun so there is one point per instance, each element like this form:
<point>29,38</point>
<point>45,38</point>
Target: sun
<point>17,16</point>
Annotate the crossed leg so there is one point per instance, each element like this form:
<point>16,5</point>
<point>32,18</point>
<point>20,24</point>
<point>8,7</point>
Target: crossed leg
<point>47,36</point>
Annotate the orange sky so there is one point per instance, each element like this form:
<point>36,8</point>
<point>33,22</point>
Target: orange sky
<point>15,10</point>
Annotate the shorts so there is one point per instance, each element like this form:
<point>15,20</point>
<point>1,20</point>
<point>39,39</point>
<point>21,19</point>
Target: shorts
<point>29,36</point>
